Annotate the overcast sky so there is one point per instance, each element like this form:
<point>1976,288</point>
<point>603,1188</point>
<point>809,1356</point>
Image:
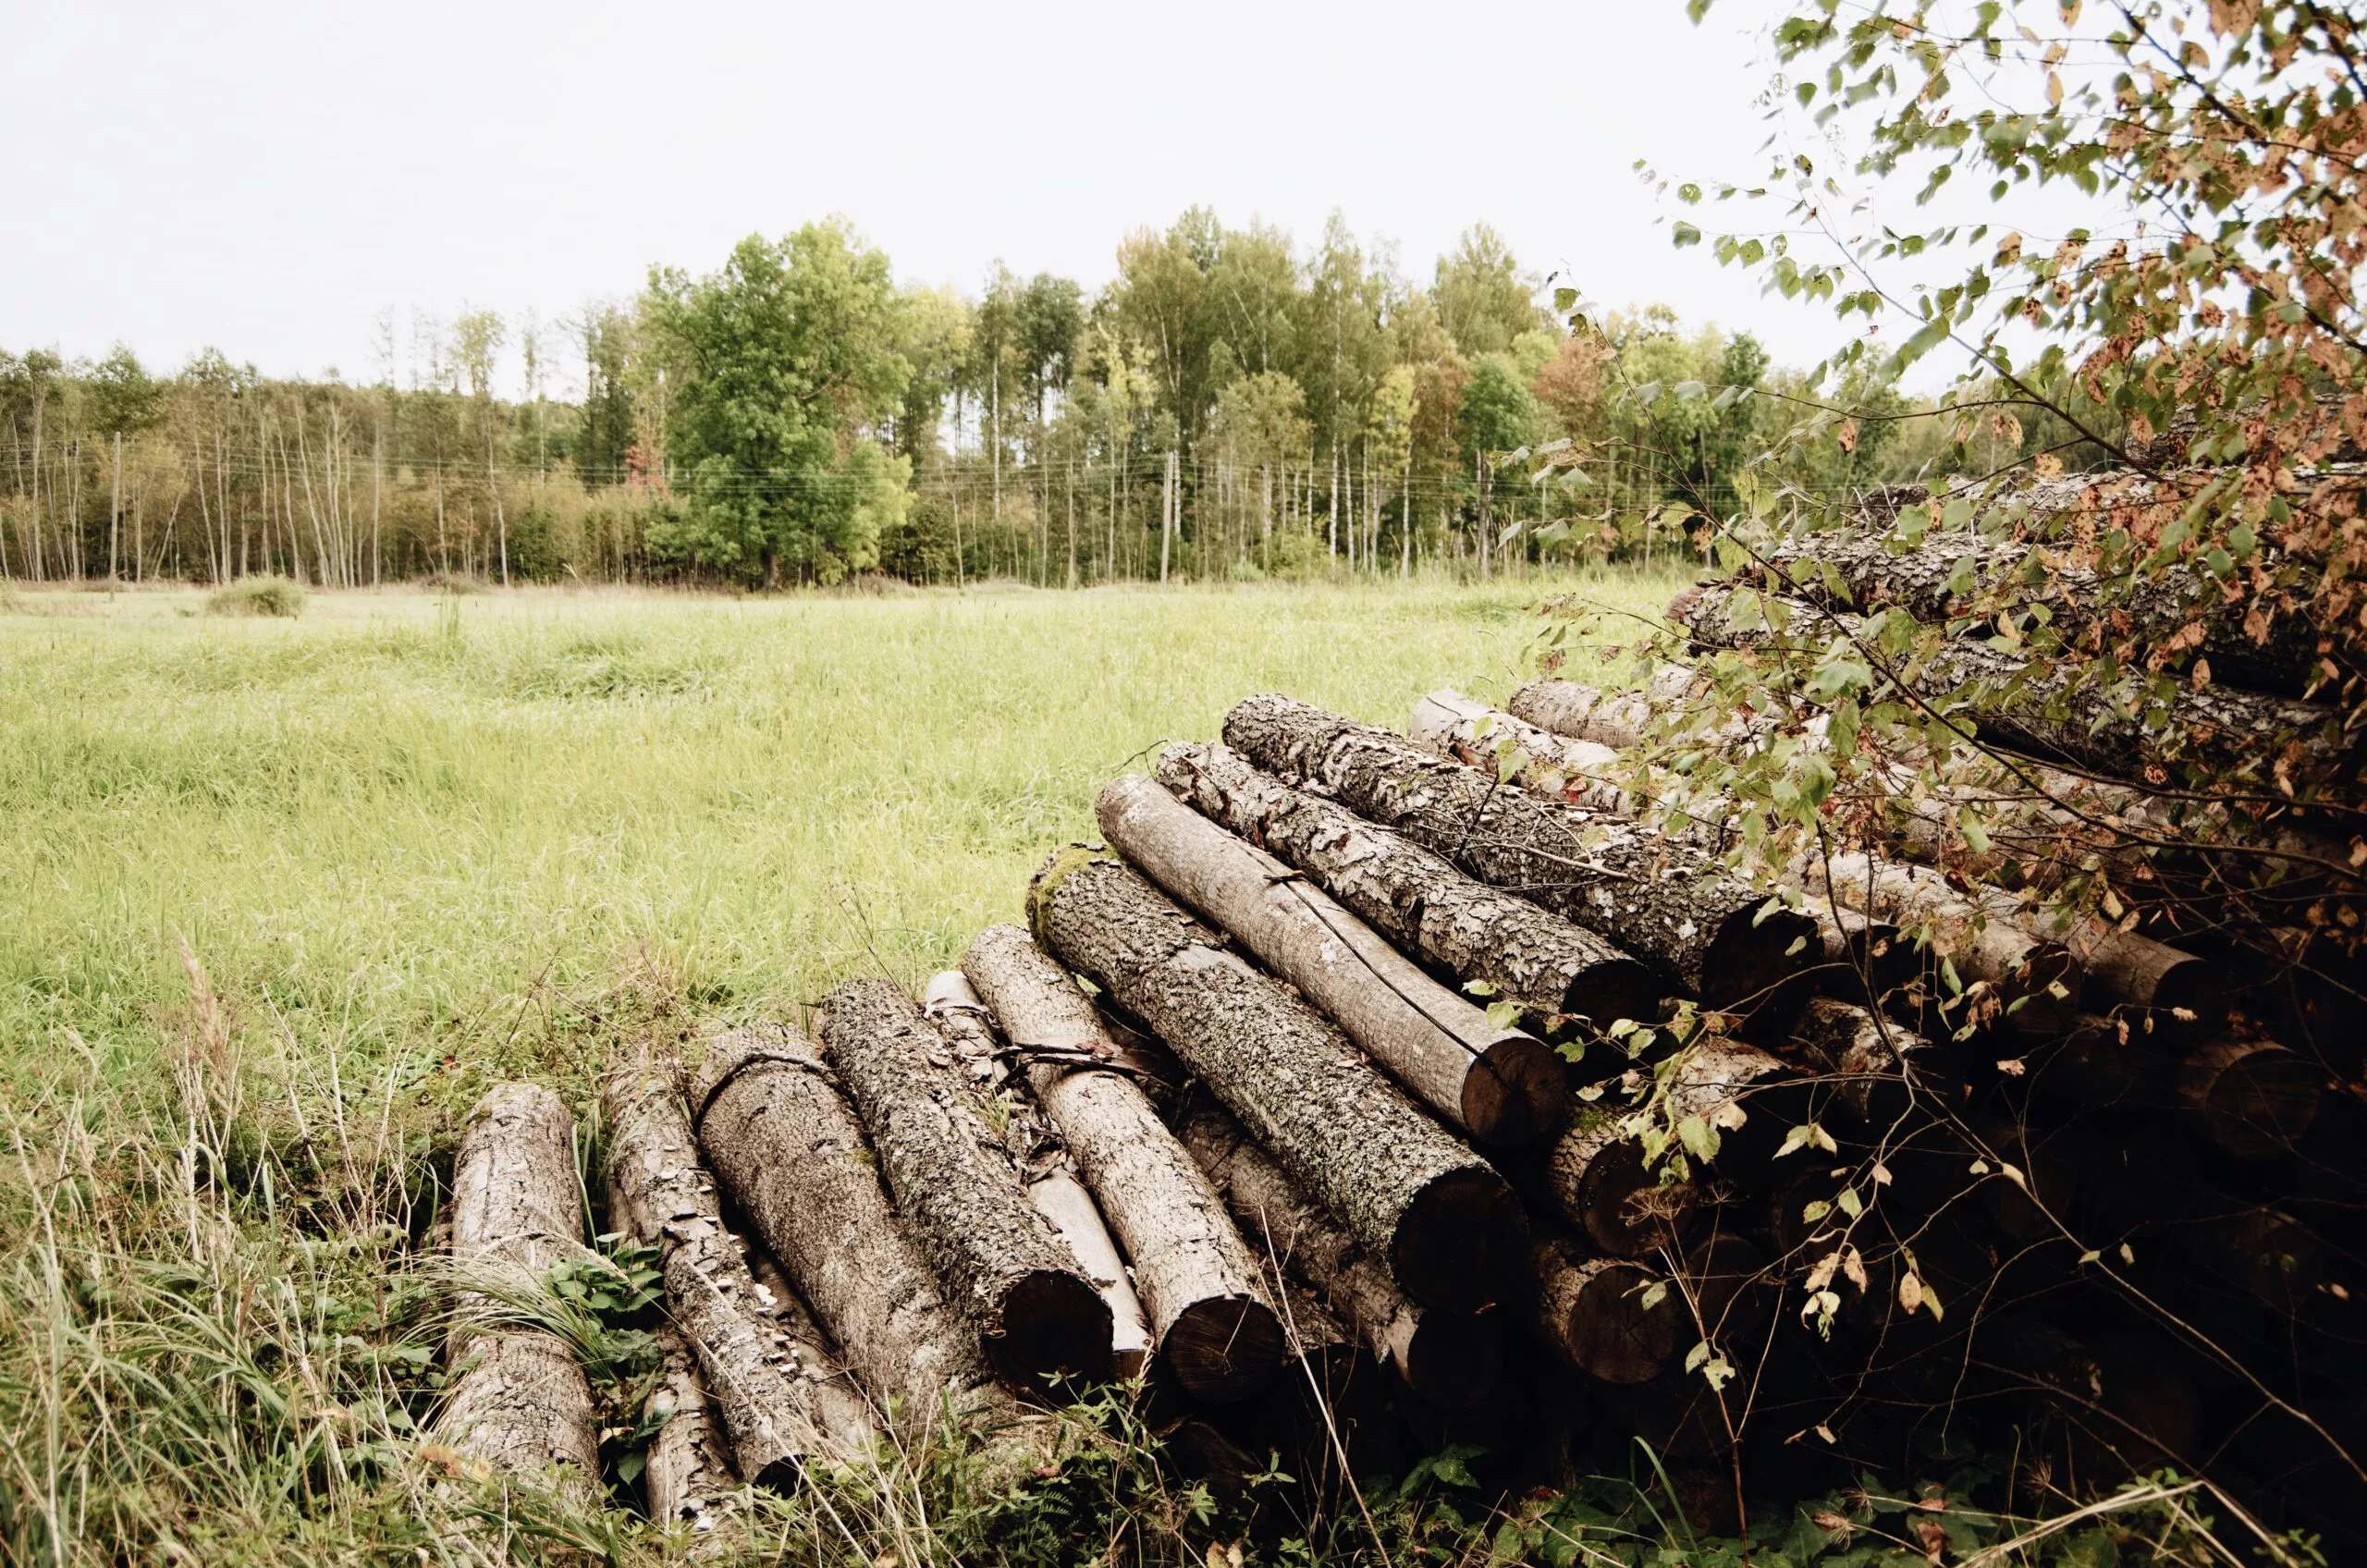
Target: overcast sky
<point>269,178</point>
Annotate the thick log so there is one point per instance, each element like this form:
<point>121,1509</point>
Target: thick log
<point>1728,1293</point>
<point>2177,998</point>
<point>1593,1176</point>
<point>1002,1263</point>
<point>1407,1190</point>
<point>1449,1358</point>
<point>2049,709</point>
<point>518,1403</point>
<point>764,1380</point>
<point>1878,1067</point>
<point>1865,959</point>
<point>687,1476</point>
<point>2035,983</point>
<point>2099,1063</point>
<point>787,1146</point>
<point>1707,931</point>
<point>1451,920</point>
<point>1210,1318</point>
<point>1593,1312</point>
<point>1504,1086</point>
<point>2253,1098</point>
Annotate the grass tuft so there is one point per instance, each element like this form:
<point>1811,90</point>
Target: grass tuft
<point>280,596</point>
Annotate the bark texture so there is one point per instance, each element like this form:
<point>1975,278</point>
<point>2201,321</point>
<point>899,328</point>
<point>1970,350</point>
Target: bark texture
<point>1504,1086</point>
<point>2036,983</point>
<point>1877,1068</point>
<point>1453,922</point>
<point>764,1380</point>
<point>1706,931</point>
<point>518,1403</point>
<point>1451,1359</point>
<point>687,1478</point>
<point>2046,708</point>
<point>1591,1311</point>
<point>1403,1185</point>
<point>1606,716</point>
<point>1211,1319</point>
<point>1002,1263</point>
<point>787,1146</point>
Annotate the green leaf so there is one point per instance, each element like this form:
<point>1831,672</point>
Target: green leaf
<point>1685,233</point>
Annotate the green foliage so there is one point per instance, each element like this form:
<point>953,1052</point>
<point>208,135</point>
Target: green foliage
<point>276,596</point>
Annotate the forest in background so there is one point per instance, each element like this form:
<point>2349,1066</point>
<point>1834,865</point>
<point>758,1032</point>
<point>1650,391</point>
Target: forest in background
<point>1230,406</point>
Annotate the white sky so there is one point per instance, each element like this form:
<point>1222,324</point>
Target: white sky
<point>268,178</point>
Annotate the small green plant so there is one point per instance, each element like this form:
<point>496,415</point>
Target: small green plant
<point>273,595</point>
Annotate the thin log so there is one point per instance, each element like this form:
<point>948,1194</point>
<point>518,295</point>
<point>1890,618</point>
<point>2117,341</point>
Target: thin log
<point>1449,1358</point>
<point>660,1193</point>
<point>1706,930</point>
<point>2254,1098</point>
<point>687,1475</point>
<point>1061,1199</point>
<point>1407,1190</point>
<point>787,1148</point>
<point>518,1403</point>
<point>1593,1312</point>
<point>1035,1313</point>
<point>2177,998</point>
<point>1504,1086</point>
<point>1210,1316</point>
<point>1607,716</point>
<point>1455,923</point>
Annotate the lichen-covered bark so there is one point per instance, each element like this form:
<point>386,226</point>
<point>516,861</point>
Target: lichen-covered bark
<point>519,1402</point>
<point>1504,1086</point>
<point>1607,716</point>
<point>787,1146</point>
<point>1706,930</point>
<point>1209,1311</point>
<point>2053,709</point>
<point>1406,1188</point>
<point>687,1476</point>
<point>1451,920</point>
<point>765,1379</point>
<point>1001,1261</point>
<point>1453,1359</point>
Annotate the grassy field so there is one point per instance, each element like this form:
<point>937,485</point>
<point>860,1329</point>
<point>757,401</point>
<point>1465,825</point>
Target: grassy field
<point>285,895</point>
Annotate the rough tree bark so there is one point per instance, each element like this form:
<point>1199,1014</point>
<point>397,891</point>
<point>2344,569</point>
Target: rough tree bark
<point>688,1478</point>
<point>1878,1068</point>
<point>787,1146</point>
<point>1591,1311</point>
<point>1001,1261</point>
<point>1210,1316</point>
<point>1504,1086</point>
<point>1608,717</point>
<point>2050,709</point>
<point>1449,920</point>
<point>1705,930</point>
<point>766,1380</point>
<point>2036,983</point>
<point>1451,1359</point>
<point>1405,1188</point>
<point>519,1402</point>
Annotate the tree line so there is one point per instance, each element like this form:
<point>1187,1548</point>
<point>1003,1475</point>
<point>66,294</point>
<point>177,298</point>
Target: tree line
<point>1229,406</point>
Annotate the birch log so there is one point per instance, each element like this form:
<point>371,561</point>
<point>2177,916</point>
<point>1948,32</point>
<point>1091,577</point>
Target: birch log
<point>1504,1086</point>
<point>787,1146</point>
<point>1210,1318</point>
<point>518,1403</point>
<point>1706,931</point>
<point>1002,1263</point>
<point>1451,920</point>
<point>763,1378</point>
<point>1407,1190</point>
<point>1451,1359</point>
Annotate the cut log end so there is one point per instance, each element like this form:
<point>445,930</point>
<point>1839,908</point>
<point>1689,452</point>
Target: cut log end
<point>1453,1360</point>
<point>1604,993</point>
<point>1595,1314</point>
<point>1461,1242</point>
<point>1224,1349</point>
<point>1750,959</point>
<point>2255,1098</point>
<point>1055,1325</point>
<point>1515,1092</point>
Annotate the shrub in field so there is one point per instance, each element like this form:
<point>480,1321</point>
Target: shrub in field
<point>258,596</point>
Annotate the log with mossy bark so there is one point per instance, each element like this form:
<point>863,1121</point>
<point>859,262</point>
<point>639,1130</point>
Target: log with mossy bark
<point>2056,708</point>
<point>1594,1177</point>
<point>1502,1085</point>
<point>1451,1358</point>
<point>787,1146</point>
<point>1706,930</point>
<point>1452,922</point>
<point>519,1402</point>
<point>765,1381</point>
<point>1408,1190</point>
<point>1211,1321</point>
<point>1002,1263</point>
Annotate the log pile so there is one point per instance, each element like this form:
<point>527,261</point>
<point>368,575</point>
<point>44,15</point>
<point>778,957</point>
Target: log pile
<point>1360,1093</point>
